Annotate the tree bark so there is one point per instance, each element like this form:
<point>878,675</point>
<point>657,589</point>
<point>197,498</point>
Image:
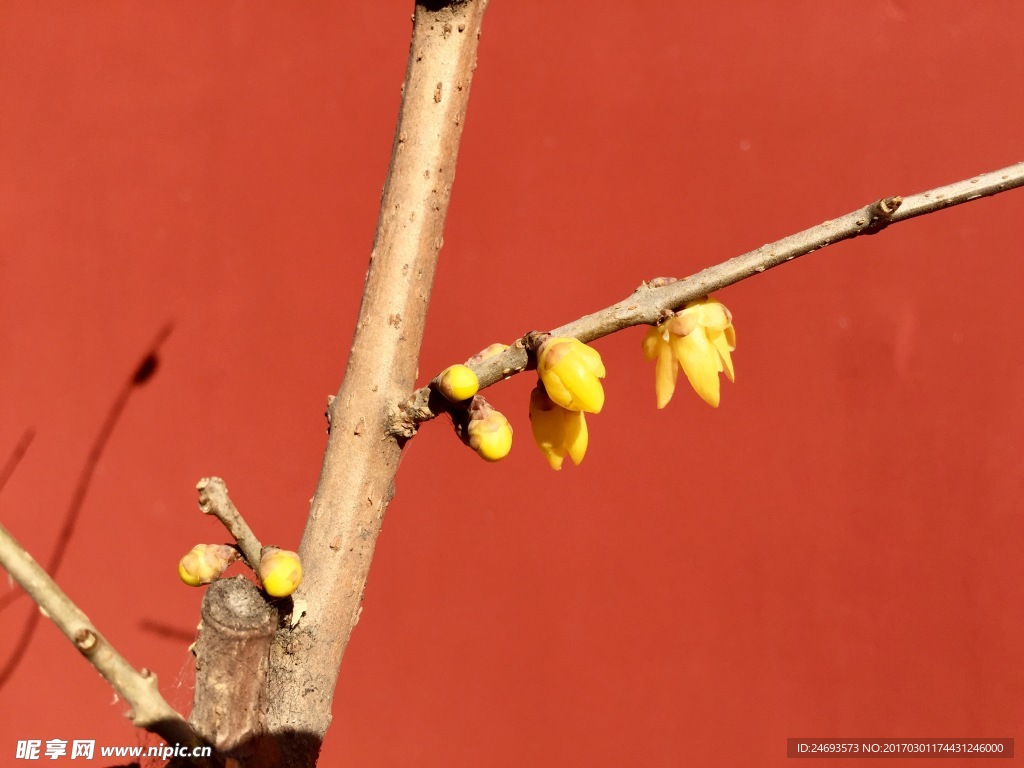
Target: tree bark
<point>357,478</point>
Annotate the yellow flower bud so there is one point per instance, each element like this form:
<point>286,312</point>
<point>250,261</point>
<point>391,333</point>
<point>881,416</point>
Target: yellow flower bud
<point>571,372</point>
<point>700,339</point>
<point>458,383</point>
<point>280,571</point>
<point>205,563</point>
<point>490,435</point>
<point>557,431</point>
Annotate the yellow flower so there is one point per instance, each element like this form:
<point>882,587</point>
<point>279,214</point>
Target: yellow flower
<point>280,571</point>
<point>700,340</point>
<point>205,563</point>
<point>490,435</point>
<point>458,383</point>
<point>571,372</point>
<point>557,431</point>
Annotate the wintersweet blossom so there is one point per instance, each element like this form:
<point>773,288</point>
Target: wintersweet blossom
<point>205,563</point>
<point>557,431</point>
<point>571,372</point>
<point>280,571</point>
<point>490,435</point>
<point>699,339</point>
<point>458,383</point>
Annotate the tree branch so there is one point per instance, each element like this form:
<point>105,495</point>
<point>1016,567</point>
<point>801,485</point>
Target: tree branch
<point>647,303</point>
<point>149,709</point>
<point>357,479</point>
<point>214,500</point>
<point>234,637</point>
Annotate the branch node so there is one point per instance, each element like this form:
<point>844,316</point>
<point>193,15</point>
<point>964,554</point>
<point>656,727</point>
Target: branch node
<point>531,342</point>
<point>85,640</point>
<point>329,412</point>
<point>878,216</point>
<point>888,206</point>
<point>658,282</point>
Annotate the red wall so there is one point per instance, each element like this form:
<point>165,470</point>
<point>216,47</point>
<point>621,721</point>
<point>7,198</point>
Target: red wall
<point>833,552</point>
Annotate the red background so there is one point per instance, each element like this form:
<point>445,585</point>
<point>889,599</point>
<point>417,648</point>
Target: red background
<point>833,552</point>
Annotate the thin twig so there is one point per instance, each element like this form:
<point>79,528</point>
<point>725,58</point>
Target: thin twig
<point>16,456</point>
<point>645,305</point>
<point>149,709</point>
<point>214,500</point>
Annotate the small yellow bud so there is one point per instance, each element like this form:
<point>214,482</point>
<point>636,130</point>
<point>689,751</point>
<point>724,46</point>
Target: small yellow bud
<point>557,431</point>
<point>205,563</point>
<point>458,383</point>
<point>490,435</point>
<point>280,571</point>
<point>571,372</point>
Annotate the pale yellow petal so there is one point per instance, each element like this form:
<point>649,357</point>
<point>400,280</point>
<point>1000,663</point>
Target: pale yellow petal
<point>591,359</point>
<point>722,346</point>
<point>584,389</point>
<point>665,372</point>
<point>547,424</point>
<point>652,342</point>
<point>557,390</point>
<point>713,315</point>
<point>576,435</point>
<point>699,360</point>
<point>571,374</point>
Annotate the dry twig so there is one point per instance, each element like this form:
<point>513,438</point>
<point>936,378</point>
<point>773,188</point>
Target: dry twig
<point>214,500</point>
<point>149,709</point>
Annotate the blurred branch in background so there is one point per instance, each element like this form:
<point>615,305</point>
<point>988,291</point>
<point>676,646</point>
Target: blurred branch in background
<point>20,448</point>
<point>143,372</point>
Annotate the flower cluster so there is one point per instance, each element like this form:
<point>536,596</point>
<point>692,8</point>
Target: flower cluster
<point>569,387</point>
<point>279,570</point>
<point>699,339</point>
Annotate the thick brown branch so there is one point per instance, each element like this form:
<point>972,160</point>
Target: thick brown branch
<point>235,635</point>
<point>645,305</point>
<point>149,710</point>
<point>362,457</point>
